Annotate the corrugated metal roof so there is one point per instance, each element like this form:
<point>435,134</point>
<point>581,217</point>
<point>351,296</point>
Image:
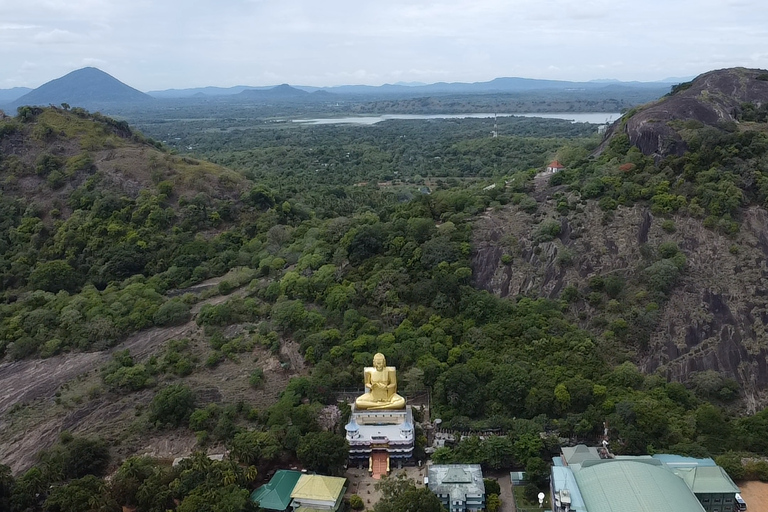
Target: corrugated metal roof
<point>276,495</point>
<point>707,479</point>
<point>562,478</point>
<point>579,453</point>
<point>633,486</point>
<point>679,460</point>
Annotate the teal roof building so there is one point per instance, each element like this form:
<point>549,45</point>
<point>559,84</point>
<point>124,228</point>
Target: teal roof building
<point>276,495</point>
<point>639,485</point>
<point>588,480</point>
<point>709,482</point>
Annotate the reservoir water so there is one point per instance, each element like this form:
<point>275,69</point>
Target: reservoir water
<point>576,117</point>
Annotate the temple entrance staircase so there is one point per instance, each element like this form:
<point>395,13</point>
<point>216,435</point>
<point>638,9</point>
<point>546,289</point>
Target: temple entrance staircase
<point>379,464</point>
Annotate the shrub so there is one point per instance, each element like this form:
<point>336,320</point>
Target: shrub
<point>531,493</point>
<point>356,502</point>
<point>613,285</point>
<point>731,463</point>
<point>528,204</point>
<point>257,378</point>
<point>53,276</point>
<point>129,378</point>
<point>565,257</point>
<point>214,359</point>
<point>491,486</point>
<point>493,503</point>
<point>173,312</point>
<point>46,163</point>
<point>547,231</point>
<point>662,275</point>
<point>226,287</point>
<point>668,249</point>
<point>570,293</point>
<point>172,406</point>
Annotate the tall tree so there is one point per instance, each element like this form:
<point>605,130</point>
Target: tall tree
<point>400,494</point>
<point>324,452</point>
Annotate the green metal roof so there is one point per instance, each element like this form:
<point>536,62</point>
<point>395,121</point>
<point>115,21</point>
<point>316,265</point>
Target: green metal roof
<point>579,453</point>
<point>707,479</point>
<point>276,495</point>
<point>633,486</point>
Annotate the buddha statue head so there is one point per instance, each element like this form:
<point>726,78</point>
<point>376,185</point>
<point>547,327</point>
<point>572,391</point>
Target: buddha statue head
<point>379,362</point>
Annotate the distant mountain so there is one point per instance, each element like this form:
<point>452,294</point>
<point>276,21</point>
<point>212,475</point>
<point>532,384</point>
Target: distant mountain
<point>9,95</point>
<point>281,92</point>
<point>87,87</point>
<point>677,79</point>
<point>202,91</point>
<point>497,85</point>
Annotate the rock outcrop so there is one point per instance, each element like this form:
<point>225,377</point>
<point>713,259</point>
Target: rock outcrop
<point>714,318</point>
<point>712,99</point>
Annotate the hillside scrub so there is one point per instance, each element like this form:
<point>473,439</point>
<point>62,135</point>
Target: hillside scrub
<point>346,269</point>
<point>722,171</point>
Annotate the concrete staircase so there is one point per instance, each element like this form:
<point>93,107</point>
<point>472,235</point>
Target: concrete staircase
<point>380,464</point>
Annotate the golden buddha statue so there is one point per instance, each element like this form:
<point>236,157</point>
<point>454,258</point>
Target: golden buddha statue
<point>381,387</point>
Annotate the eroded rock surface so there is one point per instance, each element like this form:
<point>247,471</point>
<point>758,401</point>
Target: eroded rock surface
<point>712,99</point>
<point>715,317</point>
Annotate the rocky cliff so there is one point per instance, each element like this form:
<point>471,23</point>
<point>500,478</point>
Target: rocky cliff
<point>712,99</point>
<point>714,318</point>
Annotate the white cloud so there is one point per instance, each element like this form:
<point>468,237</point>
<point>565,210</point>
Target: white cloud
<point>154,44</point>
<point>16,26</point>
<point>56,36</point>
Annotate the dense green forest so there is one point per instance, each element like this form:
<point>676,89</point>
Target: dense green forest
<point>350,241</point>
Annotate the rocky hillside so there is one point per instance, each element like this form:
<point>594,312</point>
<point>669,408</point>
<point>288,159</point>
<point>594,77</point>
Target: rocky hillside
<point>658,242</point>
<point>714,317</point>
<point>48,153</point>
<point>713,99</point>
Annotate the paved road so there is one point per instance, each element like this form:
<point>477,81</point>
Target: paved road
<point>507,501</point>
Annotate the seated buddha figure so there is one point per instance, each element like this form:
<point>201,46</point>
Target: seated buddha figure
<point>381,386</point>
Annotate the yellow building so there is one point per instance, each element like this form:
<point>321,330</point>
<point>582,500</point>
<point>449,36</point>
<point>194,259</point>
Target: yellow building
<point>314,493</point>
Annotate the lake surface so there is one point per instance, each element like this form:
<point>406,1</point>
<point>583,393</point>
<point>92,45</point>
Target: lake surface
<point>576,117</point>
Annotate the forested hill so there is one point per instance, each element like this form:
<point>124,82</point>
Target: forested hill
<point>86,201</point>
<point>345,241</point>
<point>662,255</point>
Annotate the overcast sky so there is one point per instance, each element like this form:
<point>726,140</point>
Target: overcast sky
<point>162,44</point>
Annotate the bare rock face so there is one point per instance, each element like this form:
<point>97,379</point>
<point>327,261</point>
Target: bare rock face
<point>715,317</point>
<point>712,99</point>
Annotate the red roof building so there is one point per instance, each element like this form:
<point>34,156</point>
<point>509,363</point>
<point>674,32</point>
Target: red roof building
<point>555,166</point>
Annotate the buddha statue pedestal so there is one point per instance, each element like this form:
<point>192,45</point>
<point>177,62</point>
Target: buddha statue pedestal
<point>380,422</point>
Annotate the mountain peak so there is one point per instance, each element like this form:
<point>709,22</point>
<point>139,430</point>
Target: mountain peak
<point>85,87</point>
